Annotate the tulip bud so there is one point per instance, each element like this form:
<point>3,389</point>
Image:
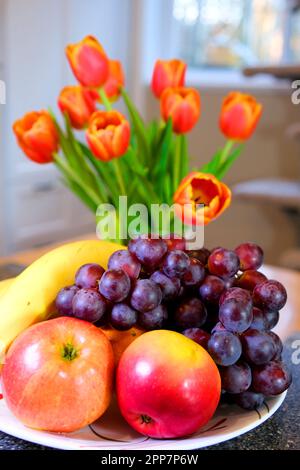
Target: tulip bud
<point>88,62</point>
<point>37,136</point>
<point>108,134</point>
<point>166,74</point>
<point>78,103</point>
<point>183,106</point>
<point>201,188</point>
<point>239,116</point>
<point>115,81</point>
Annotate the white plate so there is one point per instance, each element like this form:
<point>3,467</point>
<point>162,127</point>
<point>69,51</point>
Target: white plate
<point>111,432</point>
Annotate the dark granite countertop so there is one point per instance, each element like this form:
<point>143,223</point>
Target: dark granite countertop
<point>280,432</point>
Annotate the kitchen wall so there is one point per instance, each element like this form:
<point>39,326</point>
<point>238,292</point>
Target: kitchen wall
<point>269,153</point>
<point>36,208</point>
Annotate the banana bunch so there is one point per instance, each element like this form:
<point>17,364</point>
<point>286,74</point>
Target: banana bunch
<point>29,298</point>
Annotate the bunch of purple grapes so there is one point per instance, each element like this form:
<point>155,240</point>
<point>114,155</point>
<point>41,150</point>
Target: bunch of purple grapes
<point>217,298</point>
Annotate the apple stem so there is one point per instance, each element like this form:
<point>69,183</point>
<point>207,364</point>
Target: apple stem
<point>146,419</point>
<point>69,352</point>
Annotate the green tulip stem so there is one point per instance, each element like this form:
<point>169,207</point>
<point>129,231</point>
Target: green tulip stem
<point>119,176</point>
<point>104,98</point>
<point>226,151</point>
<point>177,161</point>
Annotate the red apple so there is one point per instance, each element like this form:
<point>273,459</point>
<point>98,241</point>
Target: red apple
<point>167,385</point>
<point>58,375</point>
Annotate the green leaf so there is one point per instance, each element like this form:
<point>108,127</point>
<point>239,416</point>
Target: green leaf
<point>139,126</point>
<point>105,174</point>
<point>184,157</point>
<point>163,151</point>
<point>168,189</point>
<point>67,170</point>
<point>212,166</point>
<point>131,159</point>
<point>228,162</point>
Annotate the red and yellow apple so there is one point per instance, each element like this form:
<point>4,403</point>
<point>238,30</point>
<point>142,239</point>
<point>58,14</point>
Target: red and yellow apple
<point>167,385</point>
<point>58,375</point>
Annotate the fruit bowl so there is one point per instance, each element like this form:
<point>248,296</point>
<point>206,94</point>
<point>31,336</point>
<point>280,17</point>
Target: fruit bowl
<point>113,433</point>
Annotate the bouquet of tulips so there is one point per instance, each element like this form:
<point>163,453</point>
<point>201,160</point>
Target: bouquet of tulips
<point>124,155</point>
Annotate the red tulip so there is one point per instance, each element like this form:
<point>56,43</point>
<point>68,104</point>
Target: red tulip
<point>108,134</point>
<point>116,79</point>
<point>183,106</point>
<point>37,136</point>
<point>78,103</point>
<point>88,62</point>
<point>239,115</point>
<point>201,188</point>
<point>167,73</point>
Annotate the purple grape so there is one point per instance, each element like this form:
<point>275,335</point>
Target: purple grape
<point>199,336</point>
<point>270,295</point>
<point>170,287</point>
<point>251,256</point>
<point>258,346</point>
<point>89,275</point>
<point>229,282</point>
<point>218,327</point>
<point>278,345</point>
<point>146,295</point>
<point>191,313</point>
<point>236,378</point>
<point>175,242</point>
<point>249,400</point>
<point>236,293</point>
<point>149,251</point>
<point>114,285</point>
<point>88,305</point>
<point>64,299</point>
<point>123,317</point>
<point>249,279</point>
<point>225,348</point>
<point>271,379</point>
<point>259,321</point>
<point>211,289</point>
<point>236,315</point>
<point>154,319</point>
<point>272,318</point>
<point>195,273</point>
<point>201,255</point>
<point>223,263</point>
<point>176,263</point>
<point>124,260</point>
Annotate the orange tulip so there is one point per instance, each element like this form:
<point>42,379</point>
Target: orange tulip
<point>201,188</point>
<point>167,73</point>
<point>78,103</point>
<point>88,62</point>
<point>183,106</point>
<point>108,134</point>
<point>37,136</point>
<point>239,115</point>
<point>116,79</point>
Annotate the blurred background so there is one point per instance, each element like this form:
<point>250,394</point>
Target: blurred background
<point>248,45</point>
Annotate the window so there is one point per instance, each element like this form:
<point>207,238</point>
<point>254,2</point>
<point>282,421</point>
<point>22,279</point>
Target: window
<point>236,33</point>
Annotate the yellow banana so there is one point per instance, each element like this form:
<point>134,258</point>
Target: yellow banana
<point>5,284</point>
<point>29,298</point>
